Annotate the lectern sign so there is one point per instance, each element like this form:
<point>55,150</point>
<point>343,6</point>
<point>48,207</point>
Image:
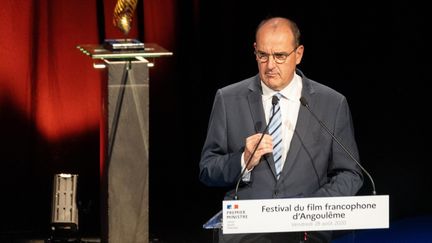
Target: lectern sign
<point>305,214</point>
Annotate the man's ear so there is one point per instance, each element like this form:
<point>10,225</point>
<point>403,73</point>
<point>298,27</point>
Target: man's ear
<point>299,54</point>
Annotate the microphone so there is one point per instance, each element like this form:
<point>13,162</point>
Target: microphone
<point>304,102</point>
<point>275,100</point>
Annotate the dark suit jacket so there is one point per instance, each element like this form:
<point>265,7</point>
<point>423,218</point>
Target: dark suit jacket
<point>315,165</point>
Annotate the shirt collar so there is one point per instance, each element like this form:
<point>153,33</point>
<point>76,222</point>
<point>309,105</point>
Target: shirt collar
<point>290,92</point>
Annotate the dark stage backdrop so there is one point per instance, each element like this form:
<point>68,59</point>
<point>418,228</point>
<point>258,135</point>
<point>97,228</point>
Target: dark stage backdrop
<point>50,99</point>
<point>51,102</point>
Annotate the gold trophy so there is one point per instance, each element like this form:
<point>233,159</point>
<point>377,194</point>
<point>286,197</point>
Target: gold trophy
<point>122,19</point>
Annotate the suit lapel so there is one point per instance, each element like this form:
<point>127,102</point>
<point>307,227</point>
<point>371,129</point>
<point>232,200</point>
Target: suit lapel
<point>299,133</point>
<point>301,129</point>
<point>258,115</point>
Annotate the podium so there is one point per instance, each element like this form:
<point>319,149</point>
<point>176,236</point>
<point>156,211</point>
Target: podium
<point>124,182</point>
<point>266,216</point>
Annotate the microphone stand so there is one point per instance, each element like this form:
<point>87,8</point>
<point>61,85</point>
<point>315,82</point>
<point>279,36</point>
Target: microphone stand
<point>275,100</point>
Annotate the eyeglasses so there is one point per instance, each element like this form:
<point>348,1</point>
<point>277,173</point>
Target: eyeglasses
<point>278,57</point>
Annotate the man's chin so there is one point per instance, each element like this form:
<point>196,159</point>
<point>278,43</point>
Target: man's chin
<point>272,81</point>
<point>273,78</point>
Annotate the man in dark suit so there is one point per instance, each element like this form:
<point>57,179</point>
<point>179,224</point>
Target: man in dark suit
<point>311,165</point>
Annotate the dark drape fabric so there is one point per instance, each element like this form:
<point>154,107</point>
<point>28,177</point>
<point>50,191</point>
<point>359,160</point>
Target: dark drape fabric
<point>42,73</point>
<point>51,108</point>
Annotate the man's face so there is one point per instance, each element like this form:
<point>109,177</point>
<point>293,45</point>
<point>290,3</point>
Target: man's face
<point>276,55</point>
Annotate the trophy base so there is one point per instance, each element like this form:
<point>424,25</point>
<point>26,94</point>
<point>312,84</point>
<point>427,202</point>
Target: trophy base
<point>123,44</point>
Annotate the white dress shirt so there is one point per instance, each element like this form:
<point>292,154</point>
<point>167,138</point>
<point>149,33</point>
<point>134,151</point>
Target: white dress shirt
<point>290,105</point>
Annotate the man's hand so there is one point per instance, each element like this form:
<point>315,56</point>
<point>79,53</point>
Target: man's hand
<point>266,146</point>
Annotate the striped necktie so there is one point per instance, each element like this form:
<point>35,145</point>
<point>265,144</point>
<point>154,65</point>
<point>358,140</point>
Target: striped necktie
<point>275,130</point>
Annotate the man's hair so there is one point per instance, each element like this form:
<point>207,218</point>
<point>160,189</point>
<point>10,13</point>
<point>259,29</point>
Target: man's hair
<point>292,24</point>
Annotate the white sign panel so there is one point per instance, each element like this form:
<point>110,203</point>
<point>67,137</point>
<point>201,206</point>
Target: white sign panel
<point>305,214</point>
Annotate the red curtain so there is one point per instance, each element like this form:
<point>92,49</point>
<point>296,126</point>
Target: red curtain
<point>42,74</point>
<point>49,92</point>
